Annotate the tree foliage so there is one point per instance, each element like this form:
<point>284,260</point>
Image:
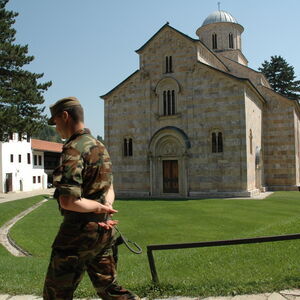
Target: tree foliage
<point>100,138</point>
<point>21,95</point>
<point>281,77</point>
<point>47,133</point>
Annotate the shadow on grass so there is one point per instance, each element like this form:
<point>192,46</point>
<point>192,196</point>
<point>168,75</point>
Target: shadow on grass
<point>176,199</point>
<point>152,199</point>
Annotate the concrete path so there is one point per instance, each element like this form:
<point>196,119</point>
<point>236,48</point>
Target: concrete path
<point>283,295</point>
<point>5,197</point>
<point>21,195</point>
<point>5,239</point>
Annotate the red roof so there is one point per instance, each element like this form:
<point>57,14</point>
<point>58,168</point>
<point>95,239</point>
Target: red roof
<point>46,146</point>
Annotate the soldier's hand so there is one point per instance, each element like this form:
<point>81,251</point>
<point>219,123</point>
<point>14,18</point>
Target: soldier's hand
<point>104,209</point>
<point>108,224</point>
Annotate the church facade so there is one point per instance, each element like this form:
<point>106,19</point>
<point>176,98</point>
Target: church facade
<point>194,120</point>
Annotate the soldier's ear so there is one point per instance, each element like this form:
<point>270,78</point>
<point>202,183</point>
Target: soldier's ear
<point>65,115</point>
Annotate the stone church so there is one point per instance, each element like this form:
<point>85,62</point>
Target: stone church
<point>194,120</point>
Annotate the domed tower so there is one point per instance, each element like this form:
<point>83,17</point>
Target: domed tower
<point>221,32</point>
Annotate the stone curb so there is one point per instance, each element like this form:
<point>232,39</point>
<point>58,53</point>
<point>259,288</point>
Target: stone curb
<point>6,241</point>
<point>282,295</point>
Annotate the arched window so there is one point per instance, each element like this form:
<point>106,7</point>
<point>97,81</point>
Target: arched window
<point>216,142</point>
<point>214,41</point>
<point>127,147</point>
<point>130,147</point>
<point>173,102</point>
<point>167,90</point>
<point>220,142</point>
<point>169,103</point>
<point>230,40</point>
<point>251,141</point>
<point>169,64</point>
<point>165,102</point>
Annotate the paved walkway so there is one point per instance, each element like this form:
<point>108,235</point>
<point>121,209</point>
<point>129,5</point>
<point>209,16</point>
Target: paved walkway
<point>11,196</point>
<point>5,239</point>
<point>283,295</point>
<point>21,195</point>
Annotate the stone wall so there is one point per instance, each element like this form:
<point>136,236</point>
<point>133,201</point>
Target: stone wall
<point>279,143</point>
<point>216,105</point>
<point>205,35</point>
<point>253,112</point>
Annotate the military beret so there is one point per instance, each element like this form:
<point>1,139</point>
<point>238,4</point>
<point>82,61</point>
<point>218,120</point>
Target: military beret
<point>60,106</point>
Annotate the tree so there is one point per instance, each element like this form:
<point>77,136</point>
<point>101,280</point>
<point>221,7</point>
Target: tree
<point>100,138</point>
<point>20,93</point>
<point>281,77</point>
<point>47,133</point>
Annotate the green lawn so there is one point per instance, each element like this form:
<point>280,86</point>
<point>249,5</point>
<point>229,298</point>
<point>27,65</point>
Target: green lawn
<point>194,272</point>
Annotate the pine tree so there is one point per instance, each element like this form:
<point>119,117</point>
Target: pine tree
<point>281,77</point>
<point>20,92</point>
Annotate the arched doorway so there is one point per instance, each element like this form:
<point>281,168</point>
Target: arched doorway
<point>168,155</point>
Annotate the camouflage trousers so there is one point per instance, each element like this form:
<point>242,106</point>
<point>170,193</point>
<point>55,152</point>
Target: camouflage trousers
<point>79,248</point>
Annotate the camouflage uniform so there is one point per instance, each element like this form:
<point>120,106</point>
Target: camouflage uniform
<point>81,245</point>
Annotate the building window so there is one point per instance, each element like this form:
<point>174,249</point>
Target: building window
<point>39,179</point>
<point>20,158</point>
<point>169,103</point>
<point>128,147</point>
<point>125,149</point>
<point>169,64</point>
<point>11,158</point>
<point>40,160</point>
<point>28,138</point>
<point>34,179</point>
<point>20,137</point>
<point>251,141</point>
<point>214,41</point>
<point>35,160</point>
<point>230,40</point>
<point>28,158</point>
<point>217,142</point>
<point>11,136</point>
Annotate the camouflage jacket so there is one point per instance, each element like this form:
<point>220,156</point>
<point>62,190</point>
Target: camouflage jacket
<point>85,169</point>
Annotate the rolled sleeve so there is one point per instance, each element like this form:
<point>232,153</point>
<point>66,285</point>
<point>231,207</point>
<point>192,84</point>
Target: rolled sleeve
<point>68,178</point>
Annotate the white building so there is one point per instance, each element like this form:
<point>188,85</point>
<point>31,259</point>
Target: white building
<point>22,163</point>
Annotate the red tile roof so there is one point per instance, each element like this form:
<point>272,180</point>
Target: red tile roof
<point>46,146</point>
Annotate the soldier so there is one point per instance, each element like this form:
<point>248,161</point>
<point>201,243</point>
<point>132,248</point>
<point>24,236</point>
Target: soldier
<point>85,196</point>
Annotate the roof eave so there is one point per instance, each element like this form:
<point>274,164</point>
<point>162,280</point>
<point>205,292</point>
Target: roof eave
<point>162,28</point>
<point>105,96</point>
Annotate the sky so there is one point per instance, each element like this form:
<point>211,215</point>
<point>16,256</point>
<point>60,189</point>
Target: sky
<point>87,47</point>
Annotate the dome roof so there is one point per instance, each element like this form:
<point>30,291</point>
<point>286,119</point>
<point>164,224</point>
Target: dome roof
<point>218,17</point>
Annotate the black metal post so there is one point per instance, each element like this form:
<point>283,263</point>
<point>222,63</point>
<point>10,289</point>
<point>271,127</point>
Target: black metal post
<point>152,265</point>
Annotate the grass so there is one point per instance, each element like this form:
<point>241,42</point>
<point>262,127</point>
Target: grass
<point>193,272</point>
<point>11,209</point>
